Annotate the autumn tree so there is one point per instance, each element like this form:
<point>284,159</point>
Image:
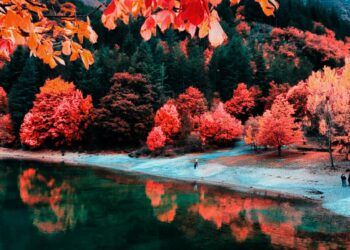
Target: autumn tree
<point>6,129</point>
<point>297,96</point>
<point>125,114</point>
<point>156,139</point>
<point>59,116</point>
<point>274,91</point>
<point>242,102</point>
<point>277,126</point>
<point>251,131</point>
<point>167,118</point>
<point>191,105</point>
<point>219,127</point>
<point>329,103</point>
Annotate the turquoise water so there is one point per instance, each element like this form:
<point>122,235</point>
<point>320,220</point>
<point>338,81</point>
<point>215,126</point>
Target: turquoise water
<point>44,206</point>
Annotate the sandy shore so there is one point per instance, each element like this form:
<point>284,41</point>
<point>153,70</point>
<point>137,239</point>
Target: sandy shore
<point>296,174</point>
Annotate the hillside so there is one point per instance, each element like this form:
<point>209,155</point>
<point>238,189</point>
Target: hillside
<point>343,6</point>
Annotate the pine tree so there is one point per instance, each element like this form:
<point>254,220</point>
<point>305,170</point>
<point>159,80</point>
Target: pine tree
<point>22,93</point>
<point>12,70</point>
<point>229,66</point>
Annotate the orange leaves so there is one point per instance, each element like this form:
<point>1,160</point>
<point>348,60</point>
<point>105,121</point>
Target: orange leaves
<point>43,30</point>
<point>183,15</point>
<point>87,58</point>
<point>268,6</point>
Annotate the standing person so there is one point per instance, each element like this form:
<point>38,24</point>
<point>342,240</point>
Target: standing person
<point>343,180</point>
<point>349,179</point>
<point>196,165</point>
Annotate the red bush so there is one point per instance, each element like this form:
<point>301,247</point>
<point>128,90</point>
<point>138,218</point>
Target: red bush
<point>59,116</point>
<point>219,127</point>
<point>167,118</point>
<point>156,139</point>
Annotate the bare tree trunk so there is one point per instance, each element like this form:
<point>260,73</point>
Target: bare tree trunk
<point>330,151</point>
<point>279,148</point>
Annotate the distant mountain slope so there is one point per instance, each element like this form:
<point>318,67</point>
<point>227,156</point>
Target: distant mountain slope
<point>343,6</point>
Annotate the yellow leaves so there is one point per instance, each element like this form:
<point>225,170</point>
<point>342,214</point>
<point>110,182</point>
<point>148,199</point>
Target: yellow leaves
<point>47,37</point>
<point>268,6</point>
<point>87,58</point>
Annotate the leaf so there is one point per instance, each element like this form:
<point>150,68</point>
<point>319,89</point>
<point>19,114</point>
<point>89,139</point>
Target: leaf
<point>87,58</point>
<point>66,48</point>
<point>148,28</point>
<point>217,35</point>
<point>268,6</point>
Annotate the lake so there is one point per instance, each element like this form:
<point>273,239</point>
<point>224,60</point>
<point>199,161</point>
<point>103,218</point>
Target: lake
<point>53,206</point>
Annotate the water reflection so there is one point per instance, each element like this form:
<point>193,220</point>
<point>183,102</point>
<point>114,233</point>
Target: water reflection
<point>60,207</point>
<point>164,203</point>
<point>51,202</point>
<point>241,214</point>
<point>247,217</point>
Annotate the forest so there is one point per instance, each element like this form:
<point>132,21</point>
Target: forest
<point>273,79</point>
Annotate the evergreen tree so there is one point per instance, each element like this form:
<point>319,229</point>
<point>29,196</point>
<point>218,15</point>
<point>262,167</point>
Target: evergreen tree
<point>22,93</point>
<point>12,70</point>
<point>229,66</point>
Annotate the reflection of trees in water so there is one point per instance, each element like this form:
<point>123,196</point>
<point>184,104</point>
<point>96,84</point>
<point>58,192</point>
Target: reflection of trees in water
<point>52,202</point>
<point>246,216</point>
<point>163,203</point>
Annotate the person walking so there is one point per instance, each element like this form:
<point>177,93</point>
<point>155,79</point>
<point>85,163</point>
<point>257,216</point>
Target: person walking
<point>343,180</point>
<point>195,165</point>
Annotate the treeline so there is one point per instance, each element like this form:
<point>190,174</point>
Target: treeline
<point>256,54</point>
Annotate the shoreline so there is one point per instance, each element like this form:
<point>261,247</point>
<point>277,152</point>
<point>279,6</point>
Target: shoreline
<point>256,180</point>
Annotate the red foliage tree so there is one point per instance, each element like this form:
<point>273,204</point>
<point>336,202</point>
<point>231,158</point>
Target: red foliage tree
<point>126,113</point>
<point>274,91</point>
<point>3,102</point>
<point>219,127</point>
<point>59,116</point>
<point>277,126</point>
<point>297,96</point>
<point>191,104</point>
<point>242,102</point>
<point>251,131</point>
<point>292,41</point>
<point>6,129</point>
<point>156,139</point>
<point>168,119</point>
